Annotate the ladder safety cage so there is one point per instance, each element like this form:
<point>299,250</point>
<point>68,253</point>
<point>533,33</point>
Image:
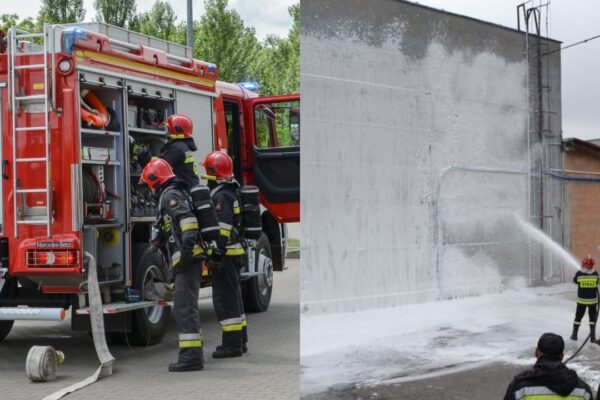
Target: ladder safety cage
<point>21,46</point>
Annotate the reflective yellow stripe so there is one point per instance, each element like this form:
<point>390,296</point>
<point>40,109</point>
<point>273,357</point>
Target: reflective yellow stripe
<point>224,232</point>
<point>177,136</point>
<point>232,327</point>
<point>190,343</point>
<point>188,227</point>
<point>188,224</point>
<point>189,160</point>
<point>235,252</point>
<point>587,301</point>
<point>549,397</point>
<point>153,158</point>
<point>236,210</point>
<point>576,322</point>
<point>244,323</point>
<point>175,258</point>
<point>197,250</point>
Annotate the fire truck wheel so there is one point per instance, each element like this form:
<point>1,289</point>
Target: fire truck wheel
<point>257,290</point>
<point>9,290</point>
<point>148,326</point>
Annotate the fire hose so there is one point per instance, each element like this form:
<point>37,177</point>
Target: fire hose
<point>97,323</point>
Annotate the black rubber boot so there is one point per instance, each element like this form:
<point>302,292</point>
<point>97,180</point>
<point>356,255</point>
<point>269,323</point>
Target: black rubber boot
<point>574,334</point>
<point>227,352</point>
<point>244,339</point>
<point>244,348</point>
<point>593,334</point>
<point>185,367</point>
<point>231,347</point>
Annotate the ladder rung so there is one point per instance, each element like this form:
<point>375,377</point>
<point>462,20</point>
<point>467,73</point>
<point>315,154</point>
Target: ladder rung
<point>29,36</point>
<point>33,53</point>
<point>32,190</point>
<point>31,128</point>
<point>33,97</point>
<point>33,222</point>
<point>30,66</point>
<point>32,159</point>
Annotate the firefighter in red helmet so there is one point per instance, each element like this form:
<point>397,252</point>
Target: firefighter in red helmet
<point>587,296</point>
<point>177,231</point>
<point>179,149</point>
<point>227,292</point>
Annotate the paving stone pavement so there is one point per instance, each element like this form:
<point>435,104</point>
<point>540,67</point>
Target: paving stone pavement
<point>270,369</point>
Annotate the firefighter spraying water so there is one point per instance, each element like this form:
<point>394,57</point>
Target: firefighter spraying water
<point>587,297</point>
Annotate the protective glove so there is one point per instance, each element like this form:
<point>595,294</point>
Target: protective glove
<point>217,255</point>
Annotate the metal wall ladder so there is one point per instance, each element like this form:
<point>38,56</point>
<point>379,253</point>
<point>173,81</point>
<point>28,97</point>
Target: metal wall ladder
<point>21,48</point>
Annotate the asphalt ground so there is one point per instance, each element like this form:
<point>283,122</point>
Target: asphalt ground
<point>480,382</point>
<point>270,369</point>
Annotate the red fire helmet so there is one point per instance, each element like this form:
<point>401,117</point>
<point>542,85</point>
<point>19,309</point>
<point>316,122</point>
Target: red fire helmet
<point>179,126</point>
<point>587,262</point>
<point>157,172</point>
<point>218,166</point>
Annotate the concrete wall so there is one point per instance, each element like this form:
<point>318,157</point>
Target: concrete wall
<point>415,155</point>
<point>582,204</point>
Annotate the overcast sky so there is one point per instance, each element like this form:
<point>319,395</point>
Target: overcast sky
<point>267,16</point>
<point>570,21</point>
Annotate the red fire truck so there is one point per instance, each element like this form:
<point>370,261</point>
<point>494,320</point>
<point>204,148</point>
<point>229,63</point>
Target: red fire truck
<point>78,105</point>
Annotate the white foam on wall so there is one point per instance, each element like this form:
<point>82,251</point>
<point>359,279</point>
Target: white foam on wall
<point>386,209</point>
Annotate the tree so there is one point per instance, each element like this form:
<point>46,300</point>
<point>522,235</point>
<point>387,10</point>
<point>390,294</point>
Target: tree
<point>277,66</point>
<point>8,20</point>
<point>115,12</point>
<point>61,12</point>
<point>158,22</point>
<point>224,40</point>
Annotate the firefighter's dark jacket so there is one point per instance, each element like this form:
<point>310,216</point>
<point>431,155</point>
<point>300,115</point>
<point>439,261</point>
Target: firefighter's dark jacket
<point>178,222</point>
<point>227,206</point>
<point>587,287</point>
<point>548,379</point>
<point>179,154</point>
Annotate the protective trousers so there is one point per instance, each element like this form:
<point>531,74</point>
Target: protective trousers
<point>227,300</point>
<point>592,314</point>
<point>187,317</point>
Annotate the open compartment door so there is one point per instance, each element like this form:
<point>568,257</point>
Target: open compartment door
<point>274,132</point>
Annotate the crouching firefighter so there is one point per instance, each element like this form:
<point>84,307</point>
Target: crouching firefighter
<point>587,296</point>
<point>227,292</point>
<point>179,236</point>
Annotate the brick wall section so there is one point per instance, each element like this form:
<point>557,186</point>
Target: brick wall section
<point>582,204</point>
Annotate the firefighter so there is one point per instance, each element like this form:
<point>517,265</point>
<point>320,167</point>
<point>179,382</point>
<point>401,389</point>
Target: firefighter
<point>178,151</point>
<point>549,378</point>
<point>227,292</point>
<point>587,296</point>
<point>179,235</point>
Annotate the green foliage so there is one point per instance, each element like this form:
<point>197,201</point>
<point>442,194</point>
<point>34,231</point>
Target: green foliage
<point>220,37</point>
<point>224,40</point>
<point>115,12</point>
<point>278,62</point>
<point>61,12</point>
<point>8,20</point>
<point>158,22</point>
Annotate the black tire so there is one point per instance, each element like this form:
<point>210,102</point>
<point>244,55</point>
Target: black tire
<point>9,291</point>
<point>257,290</point>
<point>148,326</point>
